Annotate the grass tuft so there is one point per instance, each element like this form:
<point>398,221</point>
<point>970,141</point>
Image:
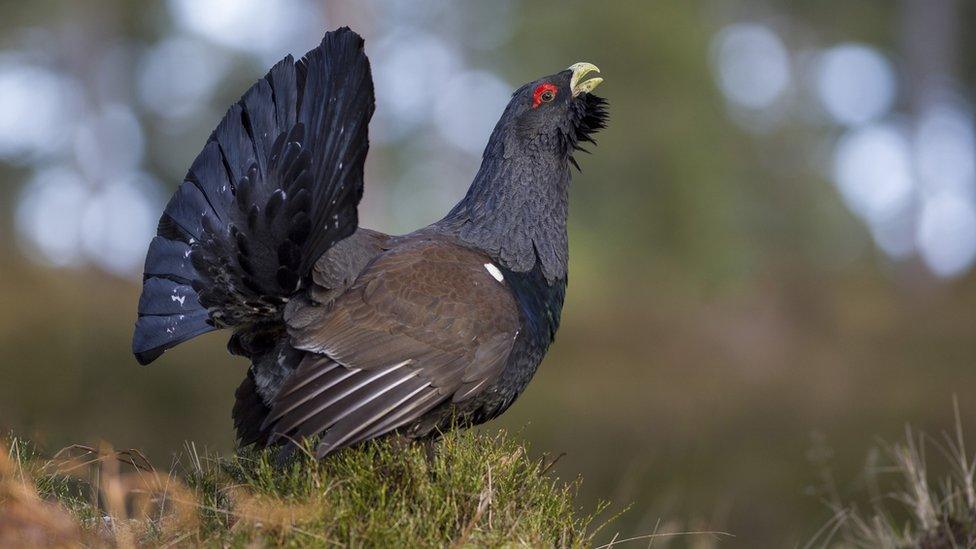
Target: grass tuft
<point>908,508</point>
<point>467,489</point>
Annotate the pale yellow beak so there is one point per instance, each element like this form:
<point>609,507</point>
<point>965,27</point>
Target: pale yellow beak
<point>577,84</point>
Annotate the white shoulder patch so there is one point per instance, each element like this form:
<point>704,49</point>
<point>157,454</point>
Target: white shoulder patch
<point>494,272</point>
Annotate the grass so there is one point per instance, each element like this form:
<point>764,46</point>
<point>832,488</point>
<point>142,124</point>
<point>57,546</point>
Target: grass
<point>470,489</point>
<point>908,508</point>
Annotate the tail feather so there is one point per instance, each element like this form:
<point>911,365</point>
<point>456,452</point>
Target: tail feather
<point>276,185</point>
<point>155,334</point>
<point>342,141</point>
<point>169,308</point>
<point>249,412</point>
<point>210,177</point>
<point>169,259</point>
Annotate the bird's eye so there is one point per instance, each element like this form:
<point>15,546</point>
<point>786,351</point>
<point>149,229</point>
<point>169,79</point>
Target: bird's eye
<point>543,94</point>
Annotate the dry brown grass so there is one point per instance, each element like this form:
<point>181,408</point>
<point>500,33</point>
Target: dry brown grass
<point>909,508</point>
<point>25,518</point>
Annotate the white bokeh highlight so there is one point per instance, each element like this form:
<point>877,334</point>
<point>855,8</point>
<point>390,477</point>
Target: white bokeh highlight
<point>268,30</point>
<point>752,65</point>
<point>177,77</point>
<point>895,235</point>
<point>118,222</point>
<point>37,110</point>
<point>945,149</point>
<point>404,70</point>
<point>109,143</point>
<point>462,125</point>
<point>63,220</point>
<point>873,171</point>
<point>947,234</point>
<point>910,178</point>
<point>855,83</point>
<point>48,216</point>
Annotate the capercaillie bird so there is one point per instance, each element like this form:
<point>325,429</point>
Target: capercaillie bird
<point>351,333</point>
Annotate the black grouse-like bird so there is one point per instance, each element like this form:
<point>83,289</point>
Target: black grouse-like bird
<point>352,333</point>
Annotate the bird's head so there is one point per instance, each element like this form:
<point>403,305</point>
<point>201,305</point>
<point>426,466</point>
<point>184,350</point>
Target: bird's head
<point>555,113</point>
<point>517,205</point>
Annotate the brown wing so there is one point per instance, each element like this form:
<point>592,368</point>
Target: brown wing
<point>424,323</point>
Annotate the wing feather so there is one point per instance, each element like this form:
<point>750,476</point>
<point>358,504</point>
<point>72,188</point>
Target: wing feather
<point>404,413</point>
<point>284,411</point>
<point>354,402</point>
<point>424,324</point>
<point>368,412</point>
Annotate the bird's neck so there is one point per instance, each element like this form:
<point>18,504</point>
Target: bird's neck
<point>516,211</point>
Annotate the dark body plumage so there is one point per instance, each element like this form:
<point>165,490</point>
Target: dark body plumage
<point>351,333</point>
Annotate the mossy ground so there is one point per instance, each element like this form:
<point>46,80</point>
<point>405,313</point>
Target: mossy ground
<point>469,488</point>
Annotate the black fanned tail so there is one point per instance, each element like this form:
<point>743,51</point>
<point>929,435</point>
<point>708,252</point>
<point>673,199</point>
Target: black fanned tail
<point>276,185</point>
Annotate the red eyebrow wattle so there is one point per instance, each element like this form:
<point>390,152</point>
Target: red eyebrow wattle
<point>537,94</point>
